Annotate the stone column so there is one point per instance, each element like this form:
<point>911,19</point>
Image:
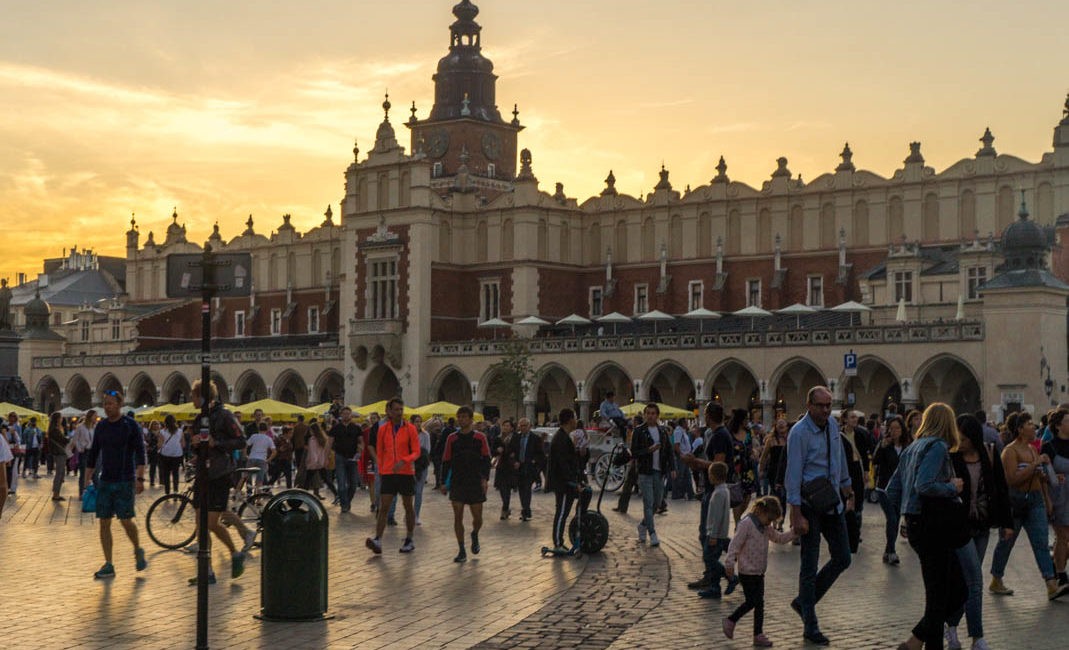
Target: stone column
<point>529,411</point>
<point>768,413</point>
<point>478,405</point>
<point>584,411</point>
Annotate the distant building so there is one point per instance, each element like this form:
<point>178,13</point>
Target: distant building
<point>455,231</point>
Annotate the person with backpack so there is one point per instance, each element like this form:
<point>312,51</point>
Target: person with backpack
<point>119,450</point>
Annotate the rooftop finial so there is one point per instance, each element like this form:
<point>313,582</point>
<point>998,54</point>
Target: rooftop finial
<point>515,115</point>
<point>1022,214</point>
<point>356,150</point>
<point>610,185</point>
<point>987,139</point>
<point>413,120</point>
<point>721,172</point>
<point>847,165</point>
<point>329,214</point>
<point>386,106</point>
<point>915,155</point>
<point>663,184</point>
<point>1065,111</point>
<point>174,215</point>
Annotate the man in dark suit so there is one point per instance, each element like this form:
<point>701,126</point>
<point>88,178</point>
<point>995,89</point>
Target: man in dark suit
<point>528,458</point>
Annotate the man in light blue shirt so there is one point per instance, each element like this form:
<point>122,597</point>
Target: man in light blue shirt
<point>815,450</point>
<point>610,411</point>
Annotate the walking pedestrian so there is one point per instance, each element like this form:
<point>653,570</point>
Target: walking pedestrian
<point>749,548</point>
<point>504,471</point>
<point>172,450</point>
<point>1058,452</point>
<point>819,492</point>
<point>58,444</point>
<point>1027,480</point>
<point>683,485</point>
<point>346,438</point>
<point>261,452</point>
<point>423,463</point>
<point>83,440</point>
<point>6,458</point>
<point>886,459</point>
<point>466,463</point>
<point>282,465</point>
<point>397,448</point>
<point>528,460</point>
<point>717,532</point>
<point>651,447</point>
<point>773,463</point>
<point>32,442</point>
<point>119,450</point>
<point>984,497</point>
<point>928,492</point>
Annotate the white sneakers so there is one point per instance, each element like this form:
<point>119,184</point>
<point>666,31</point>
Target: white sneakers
<point>950,635</point>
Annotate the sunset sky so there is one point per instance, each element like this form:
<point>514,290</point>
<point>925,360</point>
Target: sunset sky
<point>223,109</point>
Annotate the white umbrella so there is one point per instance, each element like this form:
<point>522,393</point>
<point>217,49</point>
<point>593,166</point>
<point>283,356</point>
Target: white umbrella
<point>797,310</point>
<point>615,318</point>
<point>495,324</point>
<point>961,307</point>
<point>702,314</point>
<point>573,320</point>
<point>900,315</point>
<point>655,316</point>
<point>532,320</point>
<point>852,307</point>
<point>752,312</point>
<point>71,412</point>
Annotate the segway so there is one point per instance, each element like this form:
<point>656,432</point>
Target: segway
<point>589,529</point>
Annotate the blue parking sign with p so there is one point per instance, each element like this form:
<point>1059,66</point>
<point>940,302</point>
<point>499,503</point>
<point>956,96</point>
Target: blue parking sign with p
<point>850,364</point>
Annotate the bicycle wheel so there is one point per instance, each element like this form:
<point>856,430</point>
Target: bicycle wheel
<point>251,509</point>
<point>615,474</point>
<point>171,521</point>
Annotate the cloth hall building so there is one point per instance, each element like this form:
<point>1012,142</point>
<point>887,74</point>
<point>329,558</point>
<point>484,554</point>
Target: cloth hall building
<point>446,236</point>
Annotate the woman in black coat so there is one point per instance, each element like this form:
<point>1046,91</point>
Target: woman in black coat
<point>505,474</point>
<point>885,460</point>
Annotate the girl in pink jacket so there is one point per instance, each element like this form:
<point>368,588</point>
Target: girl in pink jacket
<point>750,548</point>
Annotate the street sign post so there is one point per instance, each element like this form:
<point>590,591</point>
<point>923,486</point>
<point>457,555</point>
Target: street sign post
<point>207,275</point>
<point>850,364</point>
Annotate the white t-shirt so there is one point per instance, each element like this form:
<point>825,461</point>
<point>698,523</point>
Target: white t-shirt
<point>655,435</point>
<point>259,446</point>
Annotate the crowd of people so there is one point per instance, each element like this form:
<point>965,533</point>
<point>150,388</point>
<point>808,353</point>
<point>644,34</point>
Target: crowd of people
<point>943,482</point>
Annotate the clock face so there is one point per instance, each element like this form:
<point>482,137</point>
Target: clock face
<point>438,143</point>
<point>491,146</point>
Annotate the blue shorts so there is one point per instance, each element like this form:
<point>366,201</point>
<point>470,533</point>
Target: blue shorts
<point>115,500</point>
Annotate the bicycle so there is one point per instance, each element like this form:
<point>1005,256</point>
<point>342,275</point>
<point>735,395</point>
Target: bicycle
<point>171,521</point>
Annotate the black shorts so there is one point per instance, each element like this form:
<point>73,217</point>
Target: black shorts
<point>403,484</point>
<point>218,494</point>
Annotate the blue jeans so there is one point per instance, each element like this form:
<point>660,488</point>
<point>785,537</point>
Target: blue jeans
<point>1035,525</point>
<point>890,513</point>
<point>652,488</point>
<point>345,475</point>
<point>969,556</point>
<point>683,486</point>
<point>421,479</point>
<point>812,585</point>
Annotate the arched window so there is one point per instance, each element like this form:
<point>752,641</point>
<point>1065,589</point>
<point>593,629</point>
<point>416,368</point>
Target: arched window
<point>861,223</point>
<point>619,249</point>
<point>508,237</point>
<point>1005,209</point>
<point>895,226</point>
<point>565,243</point>
<point>734,234</point>
<point>967,214</point>
<point>705,235</point>
<point>827,225</point>
<point>930,218</point>
<point>649,243</point>
<point>796,229</point>
<point>764,231</point>
<point>675,237</point>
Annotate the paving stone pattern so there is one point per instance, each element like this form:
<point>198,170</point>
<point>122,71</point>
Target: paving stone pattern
<point>628,596</point>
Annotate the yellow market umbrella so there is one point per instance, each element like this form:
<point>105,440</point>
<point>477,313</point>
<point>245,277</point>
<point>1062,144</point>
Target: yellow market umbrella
<point>636,408</point>
<point>23,413</point>
<point>274,409</point>
<point>380,408</point>
<point>444,410</point>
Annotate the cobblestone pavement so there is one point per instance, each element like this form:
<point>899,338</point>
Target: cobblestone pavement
<point>629,596</point>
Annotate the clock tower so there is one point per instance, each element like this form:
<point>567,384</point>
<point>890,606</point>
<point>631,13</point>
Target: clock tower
<point>465,126</point>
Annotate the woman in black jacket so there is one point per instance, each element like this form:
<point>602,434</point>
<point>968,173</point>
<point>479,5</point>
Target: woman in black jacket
<point>885,460</point>
<point>505,473</point>
<point>985,497</point>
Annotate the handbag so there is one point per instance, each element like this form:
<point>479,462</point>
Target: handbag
<point>946,518</point>
<point>819,493</point>
<point>89,499</point>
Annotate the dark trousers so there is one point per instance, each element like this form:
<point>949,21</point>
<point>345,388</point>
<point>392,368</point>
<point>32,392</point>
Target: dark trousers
<point>298,462</point>
<point>753,587</point>
<point>944,584</point>
<point>506,497</point>
<point>813,584</point>
<point>31,461</point>
<point>524,488</point>
<point>283,469</point>
<point>630,481</point>
<point>153,463</point>
<point>564,499</point>
<point>169,468</point>
<point>714,569</point>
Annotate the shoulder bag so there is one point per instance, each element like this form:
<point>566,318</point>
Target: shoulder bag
<point>819,493</point>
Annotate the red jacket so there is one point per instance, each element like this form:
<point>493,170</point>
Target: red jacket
<point>391,446</point>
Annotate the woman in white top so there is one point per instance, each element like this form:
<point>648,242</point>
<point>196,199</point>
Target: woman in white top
<point>5,457</point>
<point>172,448</point>
<point>261,453</point>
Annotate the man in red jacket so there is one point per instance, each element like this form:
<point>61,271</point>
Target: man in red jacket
<point>396,451</point>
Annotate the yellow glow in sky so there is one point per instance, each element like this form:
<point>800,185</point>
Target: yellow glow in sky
<point>223,109</point>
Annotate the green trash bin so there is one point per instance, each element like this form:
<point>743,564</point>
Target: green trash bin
<point>293,580</point>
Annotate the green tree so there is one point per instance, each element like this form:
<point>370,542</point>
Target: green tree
<point>513,374</point>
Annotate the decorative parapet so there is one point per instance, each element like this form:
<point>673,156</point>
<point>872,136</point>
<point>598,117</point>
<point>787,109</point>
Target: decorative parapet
<point>913,333</point>
<point>165,358</point>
